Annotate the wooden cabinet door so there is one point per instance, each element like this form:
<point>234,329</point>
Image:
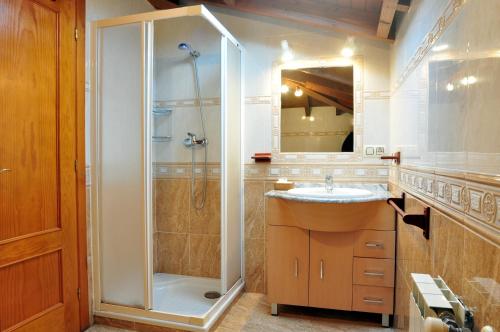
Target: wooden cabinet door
<point>38,236</point>
<point>287,265</point>
<point>330,283</point>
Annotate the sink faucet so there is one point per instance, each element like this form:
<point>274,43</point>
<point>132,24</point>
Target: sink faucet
<point>329,183</point>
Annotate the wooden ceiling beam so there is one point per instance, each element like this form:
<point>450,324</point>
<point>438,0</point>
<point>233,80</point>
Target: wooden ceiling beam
<point>386,17</point>
<point>320,97</point>
<point>402,8</point>
<point>326,23</point>
<point>163,4</point>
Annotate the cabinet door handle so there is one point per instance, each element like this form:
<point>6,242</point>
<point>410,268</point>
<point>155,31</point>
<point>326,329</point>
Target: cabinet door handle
<point>371,300</point>
<point>378,245</point>
<point>296,267</point>
<point>321,270</point>
<point>5,170</point>
<point>373,274</point>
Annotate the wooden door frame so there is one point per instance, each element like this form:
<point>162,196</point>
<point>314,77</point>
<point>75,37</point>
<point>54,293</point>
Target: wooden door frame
<point>83,280</point>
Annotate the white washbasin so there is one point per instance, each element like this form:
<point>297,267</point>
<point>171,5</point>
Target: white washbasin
<point>339,193</point>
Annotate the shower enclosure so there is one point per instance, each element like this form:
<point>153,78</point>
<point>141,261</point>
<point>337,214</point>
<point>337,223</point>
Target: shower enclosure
<point>166,170</point>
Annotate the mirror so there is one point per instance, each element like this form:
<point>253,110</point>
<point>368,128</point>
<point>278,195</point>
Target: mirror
<point>317,109</point>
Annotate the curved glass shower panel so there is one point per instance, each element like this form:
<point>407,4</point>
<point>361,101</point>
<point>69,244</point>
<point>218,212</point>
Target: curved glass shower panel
<point>187,218</point>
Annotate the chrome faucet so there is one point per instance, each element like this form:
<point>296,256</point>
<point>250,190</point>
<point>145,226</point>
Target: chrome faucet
<point>191,141</point>
<point>329,183</point>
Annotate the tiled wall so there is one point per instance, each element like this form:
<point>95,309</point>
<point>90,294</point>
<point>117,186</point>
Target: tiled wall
<point>186,239</point>
<point>447,131</point>
<point>468,263</point>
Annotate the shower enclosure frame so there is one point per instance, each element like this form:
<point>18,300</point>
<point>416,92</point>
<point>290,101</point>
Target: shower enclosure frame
<point>147,314</point>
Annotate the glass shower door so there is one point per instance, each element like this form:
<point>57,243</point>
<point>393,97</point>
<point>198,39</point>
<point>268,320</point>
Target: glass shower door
<point>232,162</point>
<point>120,194</point>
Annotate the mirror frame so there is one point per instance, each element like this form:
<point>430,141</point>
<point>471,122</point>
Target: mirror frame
<point>358,109</point>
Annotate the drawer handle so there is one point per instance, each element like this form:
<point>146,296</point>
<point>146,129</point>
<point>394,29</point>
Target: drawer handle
<point>378,245</point>
<point>296,268</point>
<point>321,272</point>
<point>373,274</point>
<point>373,300</point>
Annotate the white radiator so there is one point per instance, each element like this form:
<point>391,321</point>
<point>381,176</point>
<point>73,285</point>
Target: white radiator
<point>428,295</point>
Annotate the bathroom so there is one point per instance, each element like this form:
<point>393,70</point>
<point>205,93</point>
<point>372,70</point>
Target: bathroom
<point>250,165</point>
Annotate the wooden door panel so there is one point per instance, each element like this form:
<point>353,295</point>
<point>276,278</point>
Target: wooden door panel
<point>29,288</point>
<point>38,239</point>
<point>28,123</point>
<point>330,283</point>
<point>288,265</point>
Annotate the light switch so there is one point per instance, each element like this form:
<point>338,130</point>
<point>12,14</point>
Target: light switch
<point>370,151</point>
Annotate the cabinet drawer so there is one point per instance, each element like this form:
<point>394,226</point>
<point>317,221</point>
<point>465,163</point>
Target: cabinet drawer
<point>377,244</point>
<point>373,299</point>
<point>373,272</point>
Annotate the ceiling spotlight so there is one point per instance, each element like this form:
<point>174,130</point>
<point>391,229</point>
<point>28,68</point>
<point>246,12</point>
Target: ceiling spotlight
<point>311,118</point>
<point>450,87</point>
<point>468,80</point>
<point>285,88</point>
<point>303,117</point>
<point>347,52</point>
<point>287,54</point>
<point>298,92</point>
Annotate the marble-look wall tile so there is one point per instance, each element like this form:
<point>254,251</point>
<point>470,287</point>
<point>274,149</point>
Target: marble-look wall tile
<point>469,264</point>
<point>254,209</point>
<point>481,279</point>
<point>172,253</point>
<point>172,205</point>
<point>207,219</point>
<point>447,241</point>
<point>255,265</point>
<point>204,255</point>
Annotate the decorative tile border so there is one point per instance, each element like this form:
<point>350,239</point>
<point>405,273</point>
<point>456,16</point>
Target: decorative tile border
<point>382,94</point>
<point>312,172</point>
<point>184,170</point>
<point>450,12</point>
<point>255,100</point>
<point>458,193</point>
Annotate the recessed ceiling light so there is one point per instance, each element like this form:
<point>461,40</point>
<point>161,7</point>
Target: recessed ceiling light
<point>311,118</point>
<point>450,87</point>
<point>285,88</point>
<point>347,52</point>
<point>298,92</point>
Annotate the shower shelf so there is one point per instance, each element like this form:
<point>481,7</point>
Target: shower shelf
<point>160,111</point>
<point>162,129</point>
<point>162,138</point>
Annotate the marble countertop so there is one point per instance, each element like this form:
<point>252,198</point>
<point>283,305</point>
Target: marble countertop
<point>379,193</point>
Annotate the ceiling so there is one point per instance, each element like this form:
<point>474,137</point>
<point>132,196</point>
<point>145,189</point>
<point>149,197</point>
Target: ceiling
<point>368,18</point>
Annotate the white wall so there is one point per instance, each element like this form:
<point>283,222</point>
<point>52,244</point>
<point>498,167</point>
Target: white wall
<point>434,127</point>
<point>262,37</point>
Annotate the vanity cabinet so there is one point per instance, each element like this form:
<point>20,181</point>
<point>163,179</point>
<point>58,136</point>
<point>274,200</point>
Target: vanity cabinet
<point>288,276</point>
<point>352,269</point>
<point>330,270</point>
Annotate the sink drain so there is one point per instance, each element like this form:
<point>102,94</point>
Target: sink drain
<point>212,295</point>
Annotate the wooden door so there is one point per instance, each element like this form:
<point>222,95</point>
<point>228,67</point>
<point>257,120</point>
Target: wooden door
<point>288,265</point>
<point>330,284</point>
<point>38,235</point>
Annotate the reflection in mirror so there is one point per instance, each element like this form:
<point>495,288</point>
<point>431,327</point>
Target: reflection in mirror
<point>317,109</point>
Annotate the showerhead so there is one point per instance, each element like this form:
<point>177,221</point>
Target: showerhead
<point>187,47</point>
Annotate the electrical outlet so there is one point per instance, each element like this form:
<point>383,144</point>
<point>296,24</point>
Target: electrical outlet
<point>374,151</point>
<point>379,150</point>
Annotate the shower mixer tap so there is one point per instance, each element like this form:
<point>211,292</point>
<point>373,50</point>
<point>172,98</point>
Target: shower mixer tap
<point>191,141</point>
